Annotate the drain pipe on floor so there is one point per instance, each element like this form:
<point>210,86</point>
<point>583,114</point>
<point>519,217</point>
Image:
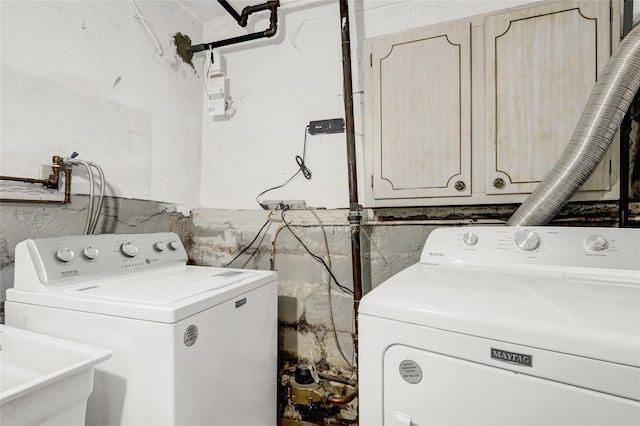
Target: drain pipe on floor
<point>609,101</point>
<point>355,216</point>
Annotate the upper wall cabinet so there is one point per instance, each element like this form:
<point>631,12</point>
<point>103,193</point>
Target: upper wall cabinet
<point>541,64</point>
<point>477,111</point>
<point>422,139</point>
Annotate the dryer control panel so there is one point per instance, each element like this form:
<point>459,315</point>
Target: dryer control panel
<point>43,264</point>
<point>543,246</point>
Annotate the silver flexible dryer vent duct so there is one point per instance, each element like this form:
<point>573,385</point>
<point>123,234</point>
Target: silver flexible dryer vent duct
<point>600,119</point>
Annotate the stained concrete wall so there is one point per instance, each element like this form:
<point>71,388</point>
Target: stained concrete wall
<point>19,222</point>
<point>306,326</point>
<point>391,240</point>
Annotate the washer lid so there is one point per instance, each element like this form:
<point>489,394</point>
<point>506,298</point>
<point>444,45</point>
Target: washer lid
<point>163,296</point>
<point>581,315</point>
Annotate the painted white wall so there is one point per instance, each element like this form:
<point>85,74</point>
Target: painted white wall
<point>84,76</point>
<point>278,85</point>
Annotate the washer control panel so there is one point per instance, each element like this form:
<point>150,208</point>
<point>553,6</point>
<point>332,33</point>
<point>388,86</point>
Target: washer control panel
<point>81,258</point>
<point>613,248</point>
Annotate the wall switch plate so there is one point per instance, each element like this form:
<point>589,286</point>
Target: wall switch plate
<point>320,127</point>
<point>284,205</point>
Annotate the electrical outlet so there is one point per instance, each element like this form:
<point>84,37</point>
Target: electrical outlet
<point>284,205</point>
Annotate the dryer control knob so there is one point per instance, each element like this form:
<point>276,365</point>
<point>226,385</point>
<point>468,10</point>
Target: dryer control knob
<point>160,246</point>
<point>527,240</point>
<point>128,249</point>
<point>596,242</point>
<point>470,238</point>
<point>174,245</point>
<point>64,255</point>
<point>90,252</point>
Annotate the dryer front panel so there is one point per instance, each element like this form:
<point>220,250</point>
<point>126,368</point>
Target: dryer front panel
<point>425,388</point>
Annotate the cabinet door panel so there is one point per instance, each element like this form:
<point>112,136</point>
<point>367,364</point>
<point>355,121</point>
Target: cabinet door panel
<point>541,64</point>
<point>421,113</point>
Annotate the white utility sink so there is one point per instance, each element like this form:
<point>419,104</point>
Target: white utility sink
<point>44,380</point>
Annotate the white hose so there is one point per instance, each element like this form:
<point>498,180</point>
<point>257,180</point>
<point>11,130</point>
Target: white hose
<point>92,216</point>
<point>96,214</point>
<point>87,226</point>
<point>608,103</point>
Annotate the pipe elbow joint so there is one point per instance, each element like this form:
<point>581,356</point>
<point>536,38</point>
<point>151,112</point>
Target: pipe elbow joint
<point>271,31</point>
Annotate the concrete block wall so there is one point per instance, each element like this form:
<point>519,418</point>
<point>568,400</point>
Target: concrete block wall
<point>19,222</point>
<point>391,240</point>
<point>306,327</point>
<point>306,331</point>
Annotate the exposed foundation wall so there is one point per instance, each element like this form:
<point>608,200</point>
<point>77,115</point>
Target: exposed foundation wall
<point>391,240</point>
<point>306,327</point>
<point>19,222</point>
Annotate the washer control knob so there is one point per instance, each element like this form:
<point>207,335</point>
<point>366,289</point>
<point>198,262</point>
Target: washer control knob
<point>64,255</point>
<point>174,245</point>
<point>90,252</point>
<point>527,240</point>
<point>470,238</point>
<point>160,246</point>
<point>596,242</point>
<point>128,249</point>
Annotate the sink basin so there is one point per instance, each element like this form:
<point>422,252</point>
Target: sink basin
<point>44,380</point>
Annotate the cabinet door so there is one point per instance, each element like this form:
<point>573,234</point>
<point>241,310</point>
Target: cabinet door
<point>541,64</point>
<point>420,110</point>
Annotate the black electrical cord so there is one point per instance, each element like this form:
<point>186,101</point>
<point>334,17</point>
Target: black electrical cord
<point>316,257</point>
<point>301,168</point>
<point>251,243</point>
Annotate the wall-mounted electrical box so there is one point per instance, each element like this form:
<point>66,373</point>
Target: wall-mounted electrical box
<point>319,127</point>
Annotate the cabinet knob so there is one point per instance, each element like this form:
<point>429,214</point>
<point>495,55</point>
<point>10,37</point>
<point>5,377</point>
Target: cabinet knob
<point>460,185</point>
<point>499,183</point>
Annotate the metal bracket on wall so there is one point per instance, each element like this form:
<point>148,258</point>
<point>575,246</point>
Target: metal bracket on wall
<point>242,19</point>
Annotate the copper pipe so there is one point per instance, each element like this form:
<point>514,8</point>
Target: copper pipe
<point>26,180</point>
<point>272,254</point>
<point>67,190</point>
<point>339,400</point>
<point>20,200</point>
<point>67,186</point>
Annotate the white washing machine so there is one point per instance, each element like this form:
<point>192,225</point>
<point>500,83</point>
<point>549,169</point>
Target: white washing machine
<point>191,345</point>
<point>506,326</point>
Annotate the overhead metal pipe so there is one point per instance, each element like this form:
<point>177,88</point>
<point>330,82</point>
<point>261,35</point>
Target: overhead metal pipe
<point>355,216</point>
<point>625,134</point>
<point>269,32</point>
<point>230,10</point>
